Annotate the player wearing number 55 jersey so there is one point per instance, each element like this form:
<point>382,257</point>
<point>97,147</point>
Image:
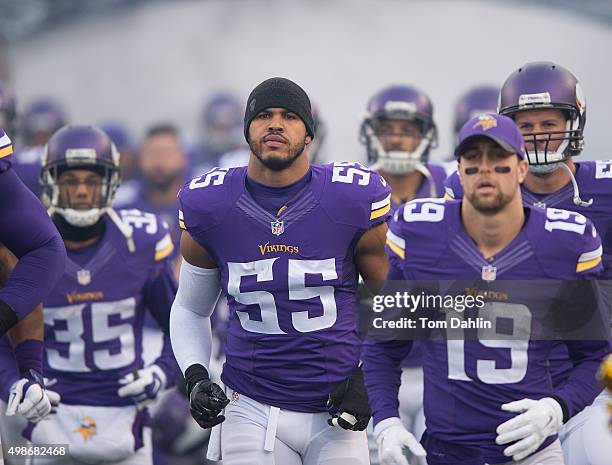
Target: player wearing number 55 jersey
<point>117,268</point>
<point>286,242</point>
<point>487,400</point>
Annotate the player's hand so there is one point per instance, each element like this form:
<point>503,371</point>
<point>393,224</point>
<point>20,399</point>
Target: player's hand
<point>206,399</point>
<point>29,398</point>
<point>605,373</point>
<point>605,376</point>
<point>392,438</point>
<point>349,404</point>
<point>143,385</point>
<point>538,419</point>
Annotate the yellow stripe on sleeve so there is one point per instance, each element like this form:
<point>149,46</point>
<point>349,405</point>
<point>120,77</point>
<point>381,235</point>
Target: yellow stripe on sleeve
<point>588,264</point>
<point>395,248</point>
<point>380,212</point>
<point>6,151</point>
<point>160,255</point>
<point>182,225</point>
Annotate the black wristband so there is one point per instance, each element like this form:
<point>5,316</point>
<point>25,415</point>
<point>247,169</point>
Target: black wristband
<point>564,408</point>
<point>193,374</point>
<point>8,317</point>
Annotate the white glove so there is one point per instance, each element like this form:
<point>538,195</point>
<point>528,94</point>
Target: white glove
<point>538,419</point>
<point>29,399</point>
<point>143,385</point>
<point>392,437</point>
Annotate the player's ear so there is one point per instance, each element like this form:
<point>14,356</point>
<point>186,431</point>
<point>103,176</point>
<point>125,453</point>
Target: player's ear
<point>460,171</point>
<point>523,169</point>
<point>307,140</point>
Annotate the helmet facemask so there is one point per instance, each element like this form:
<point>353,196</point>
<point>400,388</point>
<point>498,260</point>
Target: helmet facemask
<point>397,162</point>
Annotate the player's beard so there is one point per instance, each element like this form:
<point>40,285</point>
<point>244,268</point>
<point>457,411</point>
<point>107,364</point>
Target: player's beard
<point>490,207</point>
<point>273,162</point>
<point>163,183</point>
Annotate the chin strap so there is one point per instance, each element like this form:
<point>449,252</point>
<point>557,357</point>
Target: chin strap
<point>421,168</point>
<point>577,200</point>
<point>125,229</point>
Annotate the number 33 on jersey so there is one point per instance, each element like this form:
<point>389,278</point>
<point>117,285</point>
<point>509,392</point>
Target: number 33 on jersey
<point>290,278</point>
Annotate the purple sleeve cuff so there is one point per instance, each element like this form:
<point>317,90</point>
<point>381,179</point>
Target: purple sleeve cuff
<point>29,355</point>
<point>167,363</point>
<point>382,374</point>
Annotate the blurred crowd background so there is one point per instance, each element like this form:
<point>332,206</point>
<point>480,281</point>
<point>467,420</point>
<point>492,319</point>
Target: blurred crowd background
<point>168,81</point>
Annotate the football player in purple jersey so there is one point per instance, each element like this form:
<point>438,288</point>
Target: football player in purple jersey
<point>548,105</point>
<point>285,241</point>
<point>476,411</point>
<point>27,233</point>
<point>398,132</point>
<point>117,268</point>
<point>163,164</point>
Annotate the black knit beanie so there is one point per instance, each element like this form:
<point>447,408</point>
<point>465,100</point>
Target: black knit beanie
<point>279,92</point>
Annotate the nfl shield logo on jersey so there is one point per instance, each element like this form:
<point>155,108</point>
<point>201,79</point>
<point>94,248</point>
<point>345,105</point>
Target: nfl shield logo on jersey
<point>277,227</point>
<point>83,277</point>
<point>489,273</point>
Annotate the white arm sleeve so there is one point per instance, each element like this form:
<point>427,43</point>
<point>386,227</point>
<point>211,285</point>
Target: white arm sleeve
<point>190,331</point>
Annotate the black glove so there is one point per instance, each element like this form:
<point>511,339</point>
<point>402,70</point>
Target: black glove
<point>348,404</point>
<point>206,399</point>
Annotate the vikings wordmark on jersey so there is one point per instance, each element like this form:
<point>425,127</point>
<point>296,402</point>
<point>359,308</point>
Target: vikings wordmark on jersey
<point>290,278</point>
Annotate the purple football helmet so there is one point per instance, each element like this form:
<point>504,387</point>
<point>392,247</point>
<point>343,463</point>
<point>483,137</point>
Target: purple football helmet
<point>8,111</point>
<point>42,118</point>
<point>476,101</point>
<point>405,103</point>
<point>79,147</point>
<point>540,86</point>
<point>119,134</point>
<point>222,123</point>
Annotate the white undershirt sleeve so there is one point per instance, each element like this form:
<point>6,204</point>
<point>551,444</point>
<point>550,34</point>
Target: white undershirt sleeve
<point>190,330</point>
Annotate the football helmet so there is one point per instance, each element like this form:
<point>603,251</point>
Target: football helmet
<point>79,147</point>
<point>8,111</point>
<point>222,123</point>
<point>40,120</point>
<point>541,86</point>
<point>476,101</point>
<point>404,103</point>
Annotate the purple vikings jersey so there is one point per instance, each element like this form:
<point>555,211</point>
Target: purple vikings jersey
<point>94,316</point>
<point>6,150</point>
<point>438,174</point>
<point>28,163</point>
<point>166,214</point>
<point>290,278</point>
<point>467,381</point>
<point>594,178</point>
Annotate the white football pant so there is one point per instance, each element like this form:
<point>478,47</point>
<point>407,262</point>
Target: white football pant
<point>257,434</point>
